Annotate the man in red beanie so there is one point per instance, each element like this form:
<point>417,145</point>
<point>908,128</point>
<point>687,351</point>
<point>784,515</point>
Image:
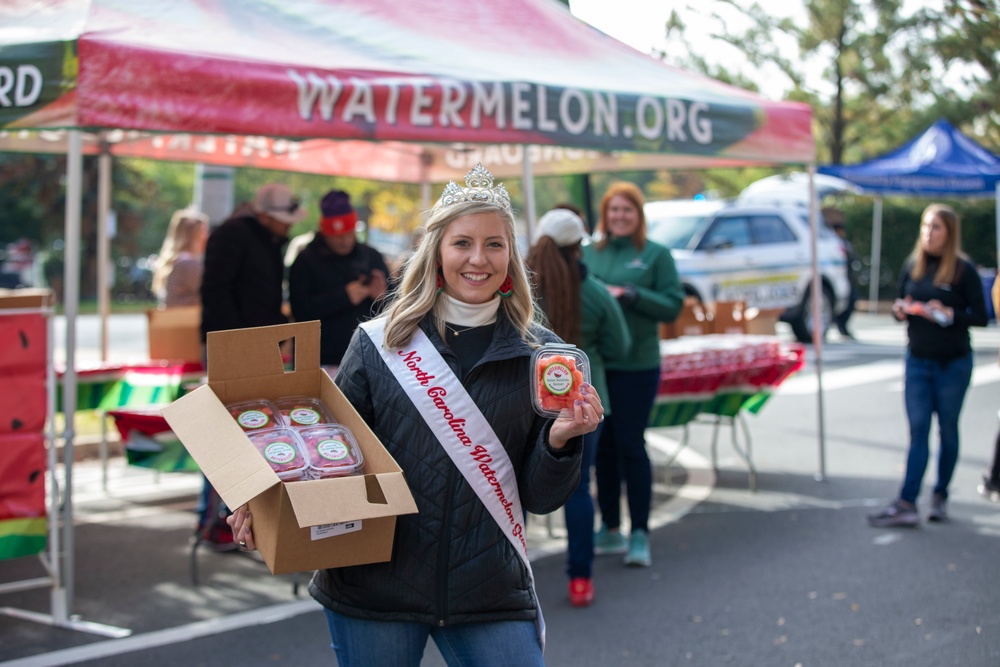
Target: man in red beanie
<point>336,279</point>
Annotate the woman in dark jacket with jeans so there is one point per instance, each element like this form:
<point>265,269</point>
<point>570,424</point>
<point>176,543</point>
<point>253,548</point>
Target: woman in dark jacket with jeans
<point>940,296</point>
<point>459,571</point>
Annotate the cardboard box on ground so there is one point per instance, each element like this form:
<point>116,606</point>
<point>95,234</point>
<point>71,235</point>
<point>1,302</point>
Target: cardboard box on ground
<point>175,333</point>
<point>697,319</point>
<point>294,522</point>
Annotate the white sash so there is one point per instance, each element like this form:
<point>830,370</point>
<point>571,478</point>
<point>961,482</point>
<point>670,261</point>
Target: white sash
<point>463,431</point>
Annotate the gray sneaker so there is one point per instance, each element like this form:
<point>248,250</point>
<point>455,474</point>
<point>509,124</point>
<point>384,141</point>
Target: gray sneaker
<point>896,514</point>
<point>939,509</point>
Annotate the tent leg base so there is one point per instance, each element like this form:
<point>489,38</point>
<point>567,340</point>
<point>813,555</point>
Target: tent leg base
<point>69,623</point>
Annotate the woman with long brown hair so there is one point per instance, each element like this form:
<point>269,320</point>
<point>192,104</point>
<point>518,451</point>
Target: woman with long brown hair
<point>940,295</point>
<point>579,310</point>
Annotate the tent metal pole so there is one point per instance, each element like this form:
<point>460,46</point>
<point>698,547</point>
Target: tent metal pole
<point>817,319</point>
<point>103,241</point>
<point>71,301</point>
<point>103,278</point>
<point>875,270</point>
<point>529,193</point>
<point>425,180</point>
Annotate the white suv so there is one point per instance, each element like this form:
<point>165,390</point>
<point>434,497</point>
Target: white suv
<point>759,254</point>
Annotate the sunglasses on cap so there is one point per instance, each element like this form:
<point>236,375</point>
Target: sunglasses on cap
<point>292,207</point>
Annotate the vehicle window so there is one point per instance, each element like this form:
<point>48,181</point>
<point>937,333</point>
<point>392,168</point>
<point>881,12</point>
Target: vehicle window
<point>770,229</point>
<point>727,232</point>
<point>675,232</point>
<point>825,232</point>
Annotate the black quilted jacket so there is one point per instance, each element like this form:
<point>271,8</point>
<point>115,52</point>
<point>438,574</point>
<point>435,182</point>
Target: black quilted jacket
<point>451,563</point>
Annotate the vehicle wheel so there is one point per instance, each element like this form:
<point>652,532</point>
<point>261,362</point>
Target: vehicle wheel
<point>802,323</point>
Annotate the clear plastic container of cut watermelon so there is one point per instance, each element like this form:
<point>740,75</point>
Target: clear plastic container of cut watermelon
<point>331,451</point>
<point>301,411</point>
<point>256,415</point>
<point>558,371</point>
<point>284,451</point>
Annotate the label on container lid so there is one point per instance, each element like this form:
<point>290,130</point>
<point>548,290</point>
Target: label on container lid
<point>304,416</point>
<point>332,449</point>
<point>558,378</point>
<point>279,452</point>
<point>252,419</point>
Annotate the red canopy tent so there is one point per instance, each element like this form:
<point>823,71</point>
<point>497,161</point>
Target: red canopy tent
<point>398,81</point>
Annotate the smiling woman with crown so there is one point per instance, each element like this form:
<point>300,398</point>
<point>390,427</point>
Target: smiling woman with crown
<point>444,381</point>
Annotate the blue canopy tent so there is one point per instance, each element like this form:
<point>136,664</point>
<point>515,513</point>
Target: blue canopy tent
<point>939,162</point>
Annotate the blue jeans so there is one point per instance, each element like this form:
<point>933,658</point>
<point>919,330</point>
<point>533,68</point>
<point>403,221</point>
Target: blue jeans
<point>579,513</point>
<point>621,454</point>
<point>363,643</point>
<point>932,387</point>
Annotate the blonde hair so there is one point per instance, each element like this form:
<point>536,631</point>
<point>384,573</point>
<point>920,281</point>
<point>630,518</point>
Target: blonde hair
<point>181,235</point>
<point>417,294</point>
<point>947,272</point>
<point>632,193</point>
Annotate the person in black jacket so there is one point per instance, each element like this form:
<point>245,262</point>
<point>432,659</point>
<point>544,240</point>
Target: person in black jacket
<point>459,572</point>
<point>242,286</point>
<point>244,267</point>
<point>940,296</point>
<point>335,279</point>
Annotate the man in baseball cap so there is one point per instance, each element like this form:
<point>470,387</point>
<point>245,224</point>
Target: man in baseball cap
<point>336,279</point>
<point>277,201</point>
<point>242,286</point>
<point>244,265</point>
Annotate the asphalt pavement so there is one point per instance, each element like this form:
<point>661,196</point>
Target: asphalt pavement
<point>789,576</point>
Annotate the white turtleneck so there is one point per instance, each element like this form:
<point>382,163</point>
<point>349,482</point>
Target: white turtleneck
<point>470,314</point>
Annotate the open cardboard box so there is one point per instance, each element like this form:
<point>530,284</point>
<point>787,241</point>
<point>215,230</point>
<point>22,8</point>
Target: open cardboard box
<point>175,333</point>
<point>763,321</point>
<point>693,320</point>
<point>297,526</point>
<point>729,317</point>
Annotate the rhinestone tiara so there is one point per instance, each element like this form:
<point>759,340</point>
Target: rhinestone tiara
<point>479,188</point>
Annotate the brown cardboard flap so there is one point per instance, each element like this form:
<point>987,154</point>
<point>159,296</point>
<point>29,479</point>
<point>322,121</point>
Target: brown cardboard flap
<point>314,504</point>
<point>239,354</point>
<point>29,297</point>
<point>217,443</point>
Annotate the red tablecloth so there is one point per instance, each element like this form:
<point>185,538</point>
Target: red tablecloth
<point>720,374</point>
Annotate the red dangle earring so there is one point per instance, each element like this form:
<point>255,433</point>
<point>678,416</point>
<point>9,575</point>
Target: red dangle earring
<point>440,280</point>
<point>506,287</point>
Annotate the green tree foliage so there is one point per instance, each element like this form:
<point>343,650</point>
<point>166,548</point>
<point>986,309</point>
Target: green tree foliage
<point>967,39</point>
<point>889,69</point>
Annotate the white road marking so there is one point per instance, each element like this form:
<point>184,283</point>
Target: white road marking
<point>879,371</point>
<point>108,648</point>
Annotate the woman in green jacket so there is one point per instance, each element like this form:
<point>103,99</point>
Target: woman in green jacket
<point>642,276</point>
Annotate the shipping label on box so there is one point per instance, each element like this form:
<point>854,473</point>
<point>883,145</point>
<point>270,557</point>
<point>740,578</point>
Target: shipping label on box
<point>326,530</point>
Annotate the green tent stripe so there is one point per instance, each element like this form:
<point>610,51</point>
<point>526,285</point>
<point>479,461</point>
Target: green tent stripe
<point>22,537</point>
<point>678,413</point>
<point>173,457</point>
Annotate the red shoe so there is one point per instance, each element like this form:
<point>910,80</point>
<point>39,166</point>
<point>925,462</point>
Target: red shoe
<point>581,592</point>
